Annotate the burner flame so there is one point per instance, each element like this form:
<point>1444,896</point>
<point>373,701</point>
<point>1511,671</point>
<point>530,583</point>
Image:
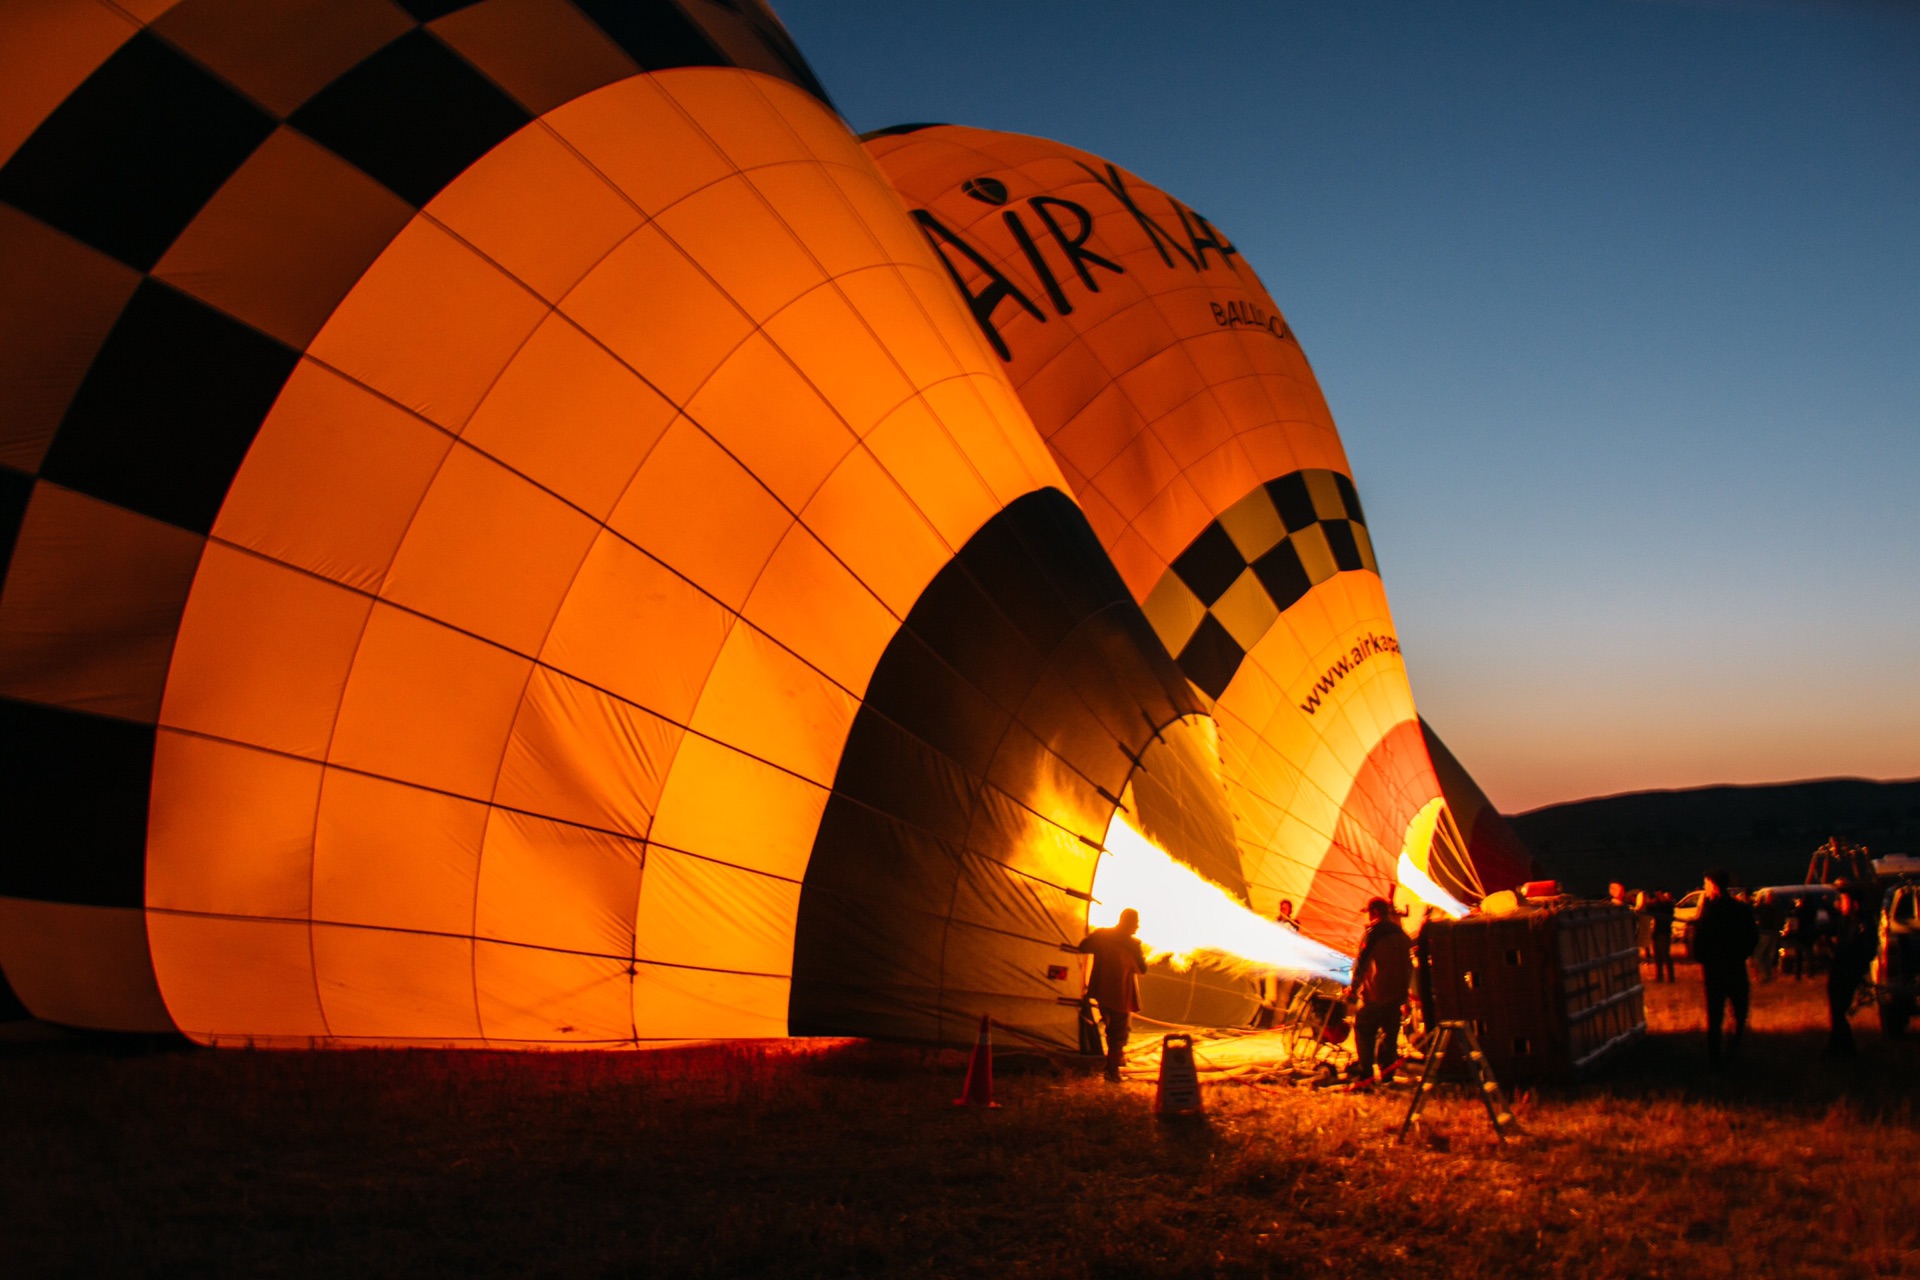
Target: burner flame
<point>1186,917</point>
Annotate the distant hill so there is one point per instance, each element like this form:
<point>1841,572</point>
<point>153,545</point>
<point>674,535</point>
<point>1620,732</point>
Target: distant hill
<point>1764,835</point>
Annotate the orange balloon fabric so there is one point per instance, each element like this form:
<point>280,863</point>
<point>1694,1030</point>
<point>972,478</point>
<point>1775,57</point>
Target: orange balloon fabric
<point>1181,408</point>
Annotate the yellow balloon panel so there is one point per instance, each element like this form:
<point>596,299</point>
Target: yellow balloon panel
<point>1178,403</point>
<point>394,856</point>
<point>1315,723</point>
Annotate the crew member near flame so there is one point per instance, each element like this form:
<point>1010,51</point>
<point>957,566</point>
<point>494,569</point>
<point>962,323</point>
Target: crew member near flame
<point>1381,973</point>
<point>1118,962</point>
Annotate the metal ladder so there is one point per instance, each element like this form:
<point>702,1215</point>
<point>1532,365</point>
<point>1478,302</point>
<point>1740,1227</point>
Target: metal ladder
<point>1478,1073</point>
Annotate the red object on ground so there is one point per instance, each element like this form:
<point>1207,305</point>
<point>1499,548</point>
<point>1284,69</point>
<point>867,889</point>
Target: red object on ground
<point>979,1088</point>
<point>1540,889</point>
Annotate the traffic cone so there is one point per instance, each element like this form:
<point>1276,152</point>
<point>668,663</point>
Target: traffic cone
<point>979,1090</point>
<point>1178,1093</point>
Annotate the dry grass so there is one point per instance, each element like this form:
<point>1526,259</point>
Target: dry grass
<point>743,1161</point>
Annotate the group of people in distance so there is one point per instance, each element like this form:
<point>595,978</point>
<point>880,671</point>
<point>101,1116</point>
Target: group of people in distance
<point>1728,937</point>
<point>1654,910</point>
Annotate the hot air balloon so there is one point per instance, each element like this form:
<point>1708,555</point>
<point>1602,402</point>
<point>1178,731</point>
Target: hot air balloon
<point>1184,414</point>
<point>1501,859</point>
<point>513,539</point>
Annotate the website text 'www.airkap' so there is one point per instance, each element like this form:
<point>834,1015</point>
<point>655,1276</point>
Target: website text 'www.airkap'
<point>1367,646</point>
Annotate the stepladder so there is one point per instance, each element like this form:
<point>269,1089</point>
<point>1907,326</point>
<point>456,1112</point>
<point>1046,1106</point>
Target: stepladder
<point>1456,1040</point>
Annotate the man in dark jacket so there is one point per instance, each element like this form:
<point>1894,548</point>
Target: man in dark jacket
<point>1118,962</point>
<point>1724,936</point>
<point>1381,973</point>
<point>1661,909</point>
<point>1855,939</point>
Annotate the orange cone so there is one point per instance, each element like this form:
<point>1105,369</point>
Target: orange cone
<point>979,1090</point>
<point>1178,1093</point>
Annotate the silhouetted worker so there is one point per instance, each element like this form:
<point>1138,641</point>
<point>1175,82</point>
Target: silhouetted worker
<point>1381,973</point>
<point>1274,990</point>
<point>1661,909</point>
<point>1768,917</point>
<point>1643,925</point>
<point>1423,975</point>
<point>1806,933</point>
<point>1723,938</point>
<point>1854,942</point>
<point>1118,962</point>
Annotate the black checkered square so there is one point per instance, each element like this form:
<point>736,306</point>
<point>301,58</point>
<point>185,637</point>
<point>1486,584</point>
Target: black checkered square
<point>1350,497</point>
<point>1292,501</point>
<point>655,33</point>
<point>414,115</point>
<point>428,10</point>
<point>169,408</point>
<point>75,794</point>
<point>1212,657</point>
<point>131,156</point>
<point>1210,564</point>
<point>1283,576</point>
<point>15,489</point>
<point>1346,551</point>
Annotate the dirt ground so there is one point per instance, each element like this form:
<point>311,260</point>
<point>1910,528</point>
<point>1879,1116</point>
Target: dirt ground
<point>135,1159</point>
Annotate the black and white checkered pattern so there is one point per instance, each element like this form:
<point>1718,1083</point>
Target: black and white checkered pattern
<point>1251,565</point>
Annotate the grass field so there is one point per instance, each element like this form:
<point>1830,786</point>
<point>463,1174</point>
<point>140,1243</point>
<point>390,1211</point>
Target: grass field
<point>741,1161</point>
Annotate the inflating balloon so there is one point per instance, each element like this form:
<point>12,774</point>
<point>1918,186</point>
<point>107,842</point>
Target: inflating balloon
<point>1181,408</point>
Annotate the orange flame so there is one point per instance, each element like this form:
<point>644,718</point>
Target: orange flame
<point>1188,917</point>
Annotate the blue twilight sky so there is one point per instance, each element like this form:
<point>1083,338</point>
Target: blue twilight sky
<point>1616,302</point>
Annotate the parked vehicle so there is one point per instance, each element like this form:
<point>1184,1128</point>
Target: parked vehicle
<point>1685,912</point>
<point>1786,898</point>
<point>1896,965</point>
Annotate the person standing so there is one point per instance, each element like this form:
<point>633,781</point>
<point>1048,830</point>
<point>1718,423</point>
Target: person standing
<point>1423,940</point>
<point>1854,942</point>
<point>1643,926</point>
<point>1768,918</point>
<point>1381,973</point>
<point>1806,932</point>
<point>1118,962</point>
<point>1661,909</point>
<point>1724,936</point>
<point>1276,992</point>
